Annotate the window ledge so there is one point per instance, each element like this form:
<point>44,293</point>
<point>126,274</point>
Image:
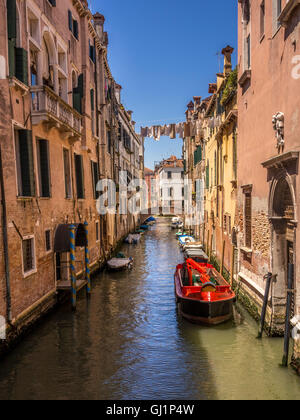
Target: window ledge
<point>245,77</point>
<point>246,250</point>
<point>16,83</point>
<point>29,273</point>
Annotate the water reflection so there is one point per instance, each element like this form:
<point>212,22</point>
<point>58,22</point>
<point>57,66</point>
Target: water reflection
<point>129,342</point>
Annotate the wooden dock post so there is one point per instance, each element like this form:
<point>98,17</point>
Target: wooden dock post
<point>232,265</point>
<point>268,277</point>
<point>222,260</point>
<point>72,266</point>
<point>287,332</point>
<point>87,260</point>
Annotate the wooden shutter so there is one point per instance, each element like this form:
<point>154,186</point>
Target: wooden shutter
<point>44,168</point>
<point>22,65</point>
<point>79,176</point>
<point>67,170</point>
<point>26,163</point>
<point>12,57</point>
<point>70,20</point>
<point>80,85</point>
<point>77,100</point>
<point>75,28</point>
<point>248,220</point>
<point>92,92</point>
<point>95,177</point>
<point>11,19</point>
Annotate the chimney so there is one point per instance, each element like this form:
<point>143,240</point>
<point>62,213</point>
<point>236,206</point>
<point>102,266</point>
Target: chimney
<point>118,89</point>
<point>227,52</point>
<point>133,124</point>
<point>130,114</point>
<point>197,100</point>
<point>99,23</point>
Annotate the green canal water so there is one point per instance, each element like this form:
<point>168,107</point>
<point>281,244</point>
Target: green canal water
<point>129,342</point>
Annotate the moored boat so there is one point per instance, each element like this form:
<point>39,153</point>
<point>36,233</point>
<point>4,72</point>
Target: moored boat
<point>186,239</point>
<point>119,263</point>
<point>203,295</point>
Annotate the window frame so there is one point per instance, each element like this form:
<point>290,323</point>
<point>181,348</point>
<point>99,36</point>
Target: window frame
<point>34,269</point>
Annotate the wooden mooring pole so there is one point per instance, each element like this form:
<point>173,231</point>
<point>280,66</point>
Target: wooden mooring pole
<point>268,277</point>
<point>72,266</point>
<point>232,265</point>
<point>290,292</point>
<point>222,260</point>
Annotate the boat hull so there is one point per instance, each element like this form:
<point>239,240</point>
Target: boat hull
<point>206,313</point>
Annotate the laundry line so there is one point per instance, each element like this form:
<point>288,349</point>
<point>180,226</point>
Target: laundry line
<point>182,129</point>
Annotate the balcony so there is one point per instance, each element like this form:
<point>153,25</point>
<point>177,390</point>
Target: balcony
<point>51,110</point>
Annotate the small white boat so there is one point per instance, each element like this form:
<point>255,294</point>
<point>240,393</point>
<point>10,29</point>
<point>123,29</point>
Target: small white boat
<point>184,240</point>
<point>176,223</point>
<point>193,245</point>
<point>118,264</point>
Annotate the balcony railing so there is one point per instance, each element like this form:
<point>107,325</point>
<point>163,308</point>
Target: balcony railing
<point>49,107</point>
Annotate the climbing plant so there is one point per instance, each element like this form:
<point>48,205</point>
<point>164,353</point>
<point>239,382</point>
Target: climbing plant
<point>230,87</point>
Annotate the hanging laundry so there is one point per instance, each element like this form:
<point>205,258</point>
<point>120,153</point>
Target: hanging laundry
<point>173,132</point>
<point>187,131</point>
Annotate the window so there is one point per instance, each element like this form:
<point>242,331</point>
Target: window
<point>73,25</point>
<point>44,167</point>
<point>67,173</point>
<point>97,232</point>
<point>262,18</point>
<point>277,9</point>
<point>169,175</point>
<point>48,240</point>
<point>79,176</point>
<point>92,52</point>
<point>28,255</point>
<point>92,97</point>
<point>171,192</point>
<point>109,141</point>
<point>52,2</point>
<point>248,52</point>
<point>77,92</point>
<point>95,177</point>
<point>25,168</point>
<point>248,220</point>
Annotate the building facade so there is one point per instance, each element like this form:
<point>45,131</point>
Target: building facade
<point>62,130</point>
<point>268,152</point>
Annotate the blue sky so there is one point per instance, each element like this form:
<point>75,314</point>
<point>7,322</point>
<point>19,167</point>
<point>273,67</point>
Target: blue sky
<point>164,52</point>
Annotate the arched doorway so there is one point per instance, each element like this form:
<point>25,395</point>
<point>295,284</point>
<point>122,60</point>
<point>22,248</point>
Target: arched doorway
<point>283,241</point>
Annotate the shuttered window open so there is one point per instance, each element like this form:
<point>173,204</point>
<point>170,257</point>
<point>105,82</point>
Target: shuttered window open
<point>22,65</point>
<point>44,167</point>
<point>79,176</point>
<point>25,163</point>
<point>248,220</point>
<point>11,19</point>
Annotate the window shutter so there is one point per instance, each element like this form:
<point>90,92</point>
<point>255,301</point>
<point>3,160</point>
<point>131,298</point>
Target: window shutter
<point>80,85</point>
<point>79,176</point>
<point>92,99</point>
<point>95,176</point>
<point>207,176</point>
<point>26,163</point>
<point>11,19</point>
<point>12,57</point>
<point>75,28</point>
<point>70,19</point>
<point>22,65</point>
<point>76,100</point>
<point>44,168</point>
<point>248,220</point>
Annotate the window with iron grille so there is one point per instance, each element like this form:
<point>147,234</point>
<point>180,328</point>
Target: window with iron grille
<point>28,255</point>
<point>48,240</point>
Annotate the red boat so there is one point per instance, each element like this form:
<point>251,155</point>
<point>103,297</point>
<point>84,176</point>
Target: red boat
<point>203,295</point>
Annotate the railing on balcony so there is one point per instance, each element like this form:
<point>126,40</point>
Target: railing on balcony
<point>45,101</point>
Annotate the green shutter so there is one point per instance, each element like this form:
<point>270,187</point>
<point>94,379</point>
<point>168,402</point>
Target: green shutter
<point>12,57</point>
<point>79,176</point>
<point>11,19</point>
<point>70,20</point>
<point>26,163</point>
<point>76,100</point>
<point>22,65</point>
<point>80,84</point>
<point>44,168</point>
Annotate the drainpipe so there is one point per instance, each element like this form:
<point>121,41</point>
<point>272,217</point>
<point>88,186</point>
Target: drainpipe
<point>5,244</point>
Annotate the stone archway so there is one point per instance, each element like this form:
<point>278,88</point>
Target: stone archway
<point>282,208</point>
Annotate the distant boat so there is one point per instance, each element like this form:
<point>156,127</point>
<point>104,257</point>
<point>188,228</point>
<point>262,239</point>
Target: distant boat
<point>150,219</point>
<point>133,239</point>
<point>202,294</point>
<point>186,239</point>
<point>144,227</point>
<point>176,223</point>
<point>120,262</point>
<point>197,255</point>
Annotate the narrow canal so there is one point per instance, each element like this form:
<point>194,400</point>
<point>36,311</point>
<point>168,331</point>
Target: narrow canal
<point>128,342</point>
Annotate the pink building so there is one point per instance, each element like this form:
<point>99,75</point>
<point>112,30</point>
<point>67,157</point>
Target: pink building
<point>268,152</point>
